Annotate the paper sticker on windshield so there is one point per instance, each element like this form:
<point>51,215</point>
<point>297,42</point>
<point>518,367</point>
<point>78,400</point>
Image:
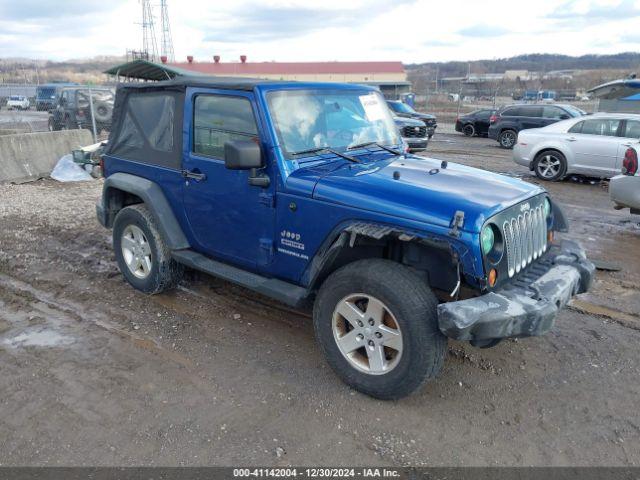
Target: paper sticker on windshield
<point>373,109</point>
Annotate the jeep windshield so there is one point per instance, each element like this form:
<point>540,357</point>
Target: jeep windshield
<point>310,121</point>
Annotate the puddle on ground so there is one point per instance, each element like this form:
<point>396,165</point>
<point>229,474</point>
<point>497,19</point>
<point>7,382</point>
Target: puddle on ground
<point>37,338</point>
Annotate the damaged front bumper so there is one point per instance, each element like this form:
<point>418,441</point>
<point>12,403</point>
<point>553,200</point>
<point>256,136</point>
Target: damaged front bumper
<point>526,307</point>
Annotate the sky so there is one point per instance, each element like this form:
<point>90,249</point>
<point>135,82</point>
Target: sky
<point>411,31</point>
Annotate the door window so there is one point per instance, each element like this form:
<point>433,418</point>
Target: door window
<point>553,112</point>
<point>531,111</point>
<point>632,129</point>
<point>602,126</point>
<point>218,119</point>
<point>577,128</point>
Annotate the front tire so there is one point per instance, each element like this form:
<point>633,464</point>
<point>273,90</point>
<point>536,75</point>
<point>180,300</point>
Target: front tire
<point>550,166</point>
<point>508,138</point>
<point>376,323</point>
<point>142,255</point>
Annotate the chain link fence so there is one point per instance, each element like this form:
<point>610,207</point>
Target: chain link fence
<point>53,107</point>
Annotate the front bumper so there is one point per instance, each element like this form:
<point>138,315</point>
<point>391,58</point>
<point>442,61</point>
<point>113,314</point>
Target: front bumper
<point>526,307</point>
<point>416,144</point>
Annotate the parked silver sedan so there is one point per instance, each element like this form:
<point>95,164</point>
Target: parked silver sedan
<point>624,190</point>
<point>593,146</point>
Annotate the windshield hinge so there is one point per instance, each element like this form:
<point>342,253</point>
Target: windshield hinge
<point>267,199</point>
<point>457,223</point>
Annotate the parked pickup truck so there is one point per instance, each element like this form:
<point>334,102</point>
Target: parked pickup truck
<point>299,191</point>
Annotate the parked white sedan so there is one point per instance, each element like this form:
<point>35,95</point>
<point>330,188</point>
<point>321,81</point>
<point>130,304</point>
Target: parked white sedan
<point>594,146</point>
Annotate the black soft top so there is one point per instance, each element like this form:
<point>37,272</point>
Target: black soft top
<point>181,83</point>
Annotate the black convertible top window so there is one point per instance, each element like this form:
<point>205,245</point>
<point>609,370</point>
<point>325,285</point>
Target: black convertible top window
<point>148,127</point>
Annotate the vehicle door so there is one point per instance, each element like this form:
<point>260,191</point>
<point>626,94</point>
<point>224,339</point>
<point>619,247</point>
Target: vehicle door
<point>229,219</point>
<point>531,116</point>
<point>595,145</point>
<point>552,114</point>
<point>629,137</point>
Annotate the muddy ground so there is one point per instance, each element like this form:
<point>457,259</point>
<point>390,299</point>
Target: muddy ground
<point>95,373</point>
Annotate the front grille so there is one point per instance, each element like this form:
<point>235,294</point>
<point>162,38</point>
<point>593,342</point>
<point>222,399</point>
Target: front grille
<point>414,132</point>
<point>525,237</point>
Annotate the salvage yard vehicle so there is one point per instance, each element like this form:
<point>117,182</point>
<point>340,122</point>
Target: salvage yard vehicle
<point>18,102</point>
<point>298,191</point>
<point>624,189</point>
<point>413,133</point>
<point>593,146</point>
<point>475,123</point>
<point>401,109</point>
<point>73,109</point>
<point>505,124</point>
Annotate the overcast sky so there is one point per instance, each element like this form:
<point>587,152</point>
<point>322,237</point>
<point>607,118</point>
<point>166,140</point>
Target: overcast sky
<point>309,30</point>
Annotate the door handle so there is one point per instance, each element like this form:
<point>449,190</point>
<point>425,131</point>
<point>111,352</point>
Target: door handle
<point>193,175</point>
<point>571,139</point>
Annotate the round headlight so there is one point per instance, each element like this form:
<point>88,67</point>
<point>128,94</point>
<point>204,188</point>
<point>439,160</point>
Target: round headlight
<point>487,239</point>
<point>547,207</point>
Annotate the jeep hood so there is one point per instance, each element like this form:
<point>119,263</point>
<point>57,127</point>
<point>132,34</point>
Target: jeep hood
<point>421,189</point>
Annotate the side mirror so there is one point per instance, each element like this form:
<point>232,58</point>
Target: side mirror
<point>246,155</point>
<point>242,155</point>
<point>564,116</point>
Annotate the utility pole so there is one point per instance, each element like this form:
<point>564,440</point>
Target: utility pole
<point>166,43</point>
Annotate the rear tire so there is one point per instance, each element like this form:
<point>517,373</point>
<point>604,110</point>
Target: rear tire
<point>550,166</point>
<point>142,255</point>
<point>398,346</point>
<point>508,138</point>
<point>469,130</point>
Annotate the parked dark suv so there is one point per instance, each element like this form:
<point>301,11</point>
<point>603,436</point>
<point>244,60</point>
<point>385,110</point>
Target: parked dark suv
<point>509,120</point>
<point>401,109</point>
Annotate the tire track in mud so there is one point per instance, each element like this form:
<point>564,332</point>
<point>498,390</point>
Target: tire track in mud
<point>73,311</point>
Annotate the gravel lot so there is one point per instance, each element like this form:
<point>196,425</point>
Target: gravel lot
<point>95,373</point>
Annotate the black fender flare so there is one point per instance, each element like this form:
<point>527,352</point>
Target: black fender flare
<point>560,220</point>
<point>152,196</point>
<point>344,235</point>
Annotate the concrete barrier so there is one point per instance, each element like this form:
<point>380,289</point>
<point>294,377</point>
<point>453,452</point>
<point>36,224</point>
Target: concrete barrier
<point>29,156</point>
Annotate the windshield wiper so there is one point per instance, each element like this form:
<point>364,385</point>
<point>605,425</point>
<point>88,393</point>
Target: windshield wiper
<point>329,150</point>
<point>379,145</point>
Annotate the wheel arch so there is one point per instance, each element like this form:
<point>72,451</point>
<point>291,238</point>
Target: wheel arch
<point>123,189</point>
<point>435,259</point>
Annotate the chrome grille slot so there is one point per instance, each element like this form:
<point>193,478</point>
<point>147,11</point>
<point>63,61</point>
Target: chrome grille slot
<point>525,237</point>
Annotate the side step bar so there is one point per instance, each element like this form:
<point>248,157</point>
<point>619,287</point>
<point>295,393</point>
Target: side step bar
<point>284,292</point>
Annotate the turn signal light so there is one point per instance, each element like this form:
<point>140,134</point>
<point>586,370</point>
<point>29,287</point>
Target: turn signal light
<point>493,277</point>
<point>550,236</point>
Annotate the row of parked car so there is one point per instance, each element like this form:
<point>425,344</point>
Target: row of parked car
<point>555,141</point>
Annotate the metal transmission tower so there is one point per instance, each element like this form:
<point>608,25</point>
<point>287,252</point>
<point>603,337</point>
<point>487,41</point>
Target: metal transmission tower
<point>149,45</point>
<point>166,43</point>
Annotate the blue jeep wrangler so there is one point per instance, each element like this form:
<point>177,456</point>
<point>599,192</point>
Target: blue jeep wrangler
<point>299,191</point>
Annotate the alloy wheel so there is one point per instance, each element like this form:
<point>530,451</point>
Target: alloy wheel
<point>367,334</point>
<point>549,166</point>
<point>508,139</point>
<point>136,251</point>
